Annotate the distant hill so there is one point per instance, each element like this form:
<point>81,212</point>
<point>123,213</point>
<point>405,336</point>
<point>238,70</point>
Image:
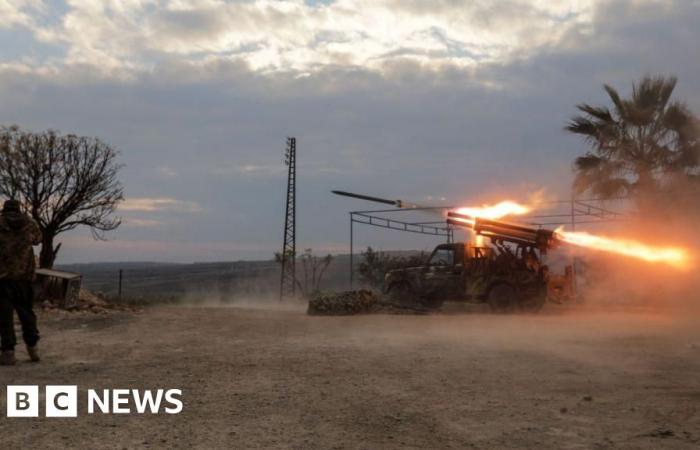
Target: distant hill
<point>220,279</point>
<point>166,279</point>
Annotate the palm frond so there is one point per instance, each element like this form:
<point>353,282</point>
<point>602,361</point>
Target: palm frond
<point>620,107</point>
<point>666,90</point>
<point>583,125</point>
<point>599,112</point>
<point>650,97</point>
<point>611,187</point>
<point>600,187</point>
<point>678,117</point>
<point>639,143</point>
<point>588,162</point>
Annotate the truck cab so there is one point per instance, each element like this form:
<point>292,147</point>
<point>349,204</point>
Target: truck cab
<point>508,278</point>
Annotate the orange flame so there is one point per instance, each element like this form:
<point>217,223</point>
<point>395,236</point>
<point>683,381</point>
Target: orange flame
<point>673,256</point>
<point>497,211</point>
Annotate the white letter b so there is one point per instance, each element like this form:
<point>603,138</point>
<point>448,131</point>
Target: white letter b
<point>22,401</point>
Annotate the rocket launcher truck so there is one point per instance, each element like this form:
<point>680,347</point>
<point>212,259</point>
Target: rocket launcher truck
<point>509,274</point>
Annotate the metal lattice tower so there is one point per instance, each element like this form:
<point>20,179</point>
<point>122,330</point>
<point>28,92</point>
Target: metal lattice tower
<point>288,280</point>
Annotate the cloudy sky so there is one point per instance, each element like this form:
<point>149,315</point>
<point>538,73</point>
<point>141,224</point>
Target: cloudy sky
<point>428,100</point>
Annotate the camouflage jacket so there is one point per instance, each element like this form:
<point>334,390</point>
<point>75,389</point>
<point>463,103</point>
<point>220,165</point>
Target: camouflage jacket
<point>18,233</point>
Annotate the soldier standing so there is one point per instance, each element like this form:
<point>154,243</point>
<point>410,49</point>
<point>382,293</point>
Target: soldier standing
<point>18,233</point>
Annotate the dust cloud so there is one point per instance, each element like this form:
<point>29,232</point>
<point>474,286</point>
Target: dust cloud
<point>269,302</point>
<point>609,281</point>
<point>632,315</point>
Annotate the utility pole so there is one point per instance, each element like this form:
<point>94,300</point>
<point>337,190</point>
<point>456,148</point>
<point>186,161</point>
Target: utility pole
<point>289,250</point>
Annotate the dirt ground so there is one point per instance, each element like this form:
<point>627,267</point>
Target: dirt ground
<point>564,379</point>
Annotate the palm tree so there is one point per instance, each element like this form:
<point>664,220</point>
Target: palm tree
<point>645,144</point>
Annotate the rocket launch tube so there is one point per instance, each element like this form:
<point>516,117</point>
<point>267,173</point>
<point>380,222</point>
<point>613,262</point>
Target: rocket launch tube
<point>504,231</point>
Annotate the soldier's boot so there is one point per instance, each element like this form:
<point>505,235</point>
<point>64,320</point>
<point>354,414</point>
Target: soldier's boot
<point>33,353</point>
<point>7,358</point>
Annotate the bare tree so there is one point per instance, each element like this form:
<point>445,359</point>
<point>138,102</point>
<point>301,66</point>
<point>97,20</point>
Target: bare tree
<point>375,264</point>
<point>313,268</point>
<point>63,181</point>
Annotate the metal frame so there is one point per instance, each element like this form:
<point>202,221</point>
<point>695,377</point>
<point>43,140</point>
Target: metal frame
<point>569,212</point>
<point>370,217</point>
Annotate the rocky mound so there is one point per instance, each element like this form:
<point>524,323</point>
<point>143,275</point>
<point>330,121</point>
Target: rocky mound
<point>89,302</point>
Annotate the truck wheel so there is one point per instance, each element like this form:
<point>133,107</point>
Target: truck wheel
<point>503,299</point>
<point>533,304</point>
<point>402,293</point>
<point>433,302</point>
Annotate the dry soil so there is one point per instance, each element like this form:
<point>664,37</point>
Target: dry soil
<point>264,378</point>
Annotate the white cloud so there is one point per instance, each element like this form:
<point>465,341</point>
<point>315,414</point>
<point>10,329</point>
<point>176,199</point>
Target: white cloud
<point>119,36</point>
<point>394,127</point>
<point>19,12</point>
<point>271,169</point>
<point>147,223</point>
<point>166,171</point>
<point>249,169</point>
<point>148,204</point>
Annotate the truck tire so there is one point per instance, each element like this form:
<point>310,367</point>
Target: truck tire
<point>402,293</point>
<point>432,302</point>
<point>503,299</point>
<point>533,303</point>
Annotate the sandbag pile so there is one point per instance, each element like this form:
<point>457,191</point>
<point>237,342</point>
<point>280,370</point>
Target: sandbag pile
<point>343,303</point>
<point>357,302</point>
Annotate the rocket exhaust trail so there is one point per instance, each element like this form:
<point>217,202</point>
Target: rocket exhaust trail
<point>398,203</point>
<point>478,219</point>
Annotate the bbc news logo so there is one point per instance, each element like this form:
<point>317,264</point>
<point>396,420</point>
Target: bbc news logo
<point>62,401</point>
